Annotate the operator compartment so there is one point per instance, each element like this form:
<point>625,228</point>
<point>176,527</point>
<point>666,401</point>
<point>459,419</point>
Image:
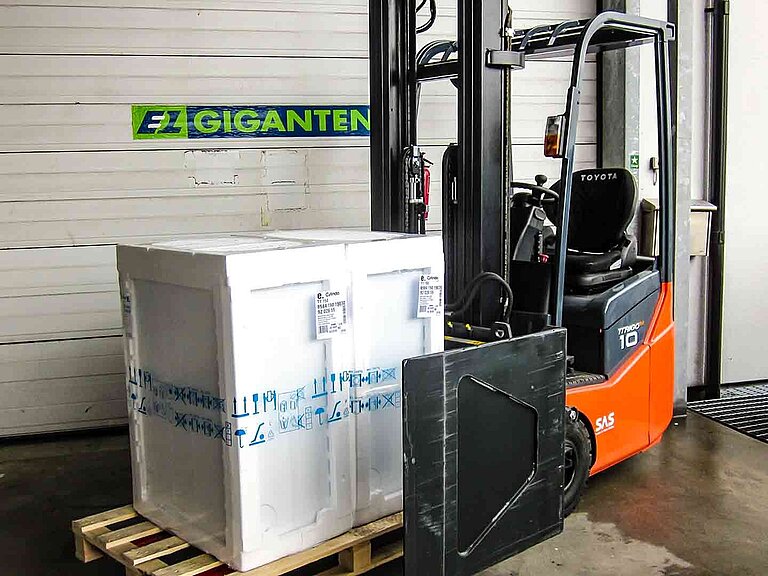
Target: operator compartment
<point>610,292</point>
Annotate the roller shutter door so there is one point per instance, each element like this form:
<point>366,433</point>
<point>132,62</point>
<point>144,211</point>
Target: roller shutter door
<point>73,181</point>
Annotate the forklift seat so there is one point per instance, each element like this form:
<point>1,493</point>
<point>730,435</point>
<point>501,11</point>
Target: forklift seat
<point>600,250</point>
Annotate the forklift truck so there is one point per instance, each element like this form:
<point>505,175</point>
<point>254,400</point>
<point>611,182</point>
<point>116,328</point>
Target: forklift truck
<point>559,357</point>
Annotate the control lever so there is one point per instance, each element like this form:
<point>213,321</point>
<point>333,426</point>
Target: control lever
<point>541,179</point>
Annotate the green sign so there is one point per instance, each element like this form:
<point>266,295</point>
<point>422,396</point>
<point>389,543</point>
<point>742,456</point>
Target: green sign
<point>634,161</point>
<point>153,122</point>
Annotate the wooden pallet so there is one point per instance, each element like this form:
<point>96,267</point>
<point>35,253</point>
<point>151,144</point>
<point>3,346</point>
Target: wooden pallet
<point>141,546</point>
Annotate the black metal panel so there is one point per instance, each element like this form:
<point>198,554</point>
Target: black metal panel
<point>483,433</point>
<point>481,487</point>
<point>716,176</point>
<point>606,329</point>
<point>474,238</point>
<point>392,39</point>
<point>667,172</point>
<point>551,40</point>
<point>438,71</point>
<point>605,309</point>
<point>604,350</point>
<point>452,220</point>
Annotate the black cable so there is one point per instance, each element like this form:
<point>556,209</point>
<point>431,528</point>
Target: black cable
<point>427,53</point>
<point>423,2</point>
<point>470,292</point>
<point>432,18</point>
<point>477,280</point>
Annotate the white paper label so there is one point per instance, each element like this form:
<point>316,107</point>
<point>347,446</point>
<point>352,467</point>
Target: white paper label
<point>127,316</point>
<point>430,297</point>
<point>330,314</point>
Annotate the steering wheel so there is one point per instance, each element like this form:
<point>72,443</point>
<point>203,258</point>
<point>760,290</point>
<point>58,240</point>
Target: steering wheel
<point>547,196</point>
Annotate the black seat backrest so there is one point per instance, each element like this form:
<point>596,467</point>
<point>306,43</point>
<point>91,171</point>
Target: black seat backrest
<point>603,203</point>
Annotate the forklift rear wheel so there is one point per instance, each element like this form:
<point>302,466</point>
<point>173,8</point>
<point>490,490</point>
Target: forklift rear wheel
<point>578,458</point>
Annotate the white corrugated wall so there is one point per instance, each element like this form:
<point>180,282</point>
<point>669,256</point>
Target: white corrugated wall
<point>73,182</point>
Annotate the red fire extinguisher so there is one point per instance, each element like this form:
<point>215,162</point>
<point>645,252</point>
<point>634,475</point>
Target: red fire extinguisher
<point>427,181</point>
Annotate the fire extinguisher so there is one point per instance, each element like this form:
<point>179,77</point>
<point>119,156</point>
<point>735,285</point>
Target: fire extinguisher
<point>427,182</point>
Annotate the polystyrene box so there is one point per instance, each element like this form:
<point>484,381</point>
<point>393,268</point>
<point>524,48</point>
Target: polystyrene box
<point>253,435</point>
<point>385,280</point>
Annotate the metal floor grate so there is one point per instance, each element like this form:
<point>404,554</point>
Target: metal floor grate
<point>745,390</point>
<point>743,408</point>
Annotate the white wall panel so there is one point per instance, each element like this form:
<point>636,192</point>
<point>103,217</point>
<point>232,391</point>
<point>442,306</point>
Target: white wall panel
<point>75,198</point>
<point>62,384</point>
<point>170,28</point>
<point>205,28</point>
<point>116,79</point>
<point>63,416</point>
<point>745,307</point>
<point>58,293</point>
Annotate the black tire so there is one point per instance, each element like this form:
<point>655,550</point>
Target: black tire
<point>578,461</point>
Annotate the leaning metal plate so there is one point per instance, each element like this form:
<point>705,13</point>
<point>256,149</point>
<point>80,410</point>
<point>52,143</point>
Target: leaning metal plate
<point>484,435</point>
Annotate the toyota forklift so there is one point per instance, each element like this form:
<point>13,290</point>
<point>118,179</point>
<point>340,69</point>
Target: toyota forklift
<point>559,358</point>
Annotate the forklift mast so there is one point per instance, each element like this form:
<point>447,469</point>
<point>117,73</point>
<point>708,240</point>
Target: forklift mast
<point>394,79</point>
<point>485,425</point>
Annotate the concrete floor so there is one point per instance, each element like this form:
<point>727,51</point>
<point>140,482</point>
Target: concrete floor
<point>697,504</point>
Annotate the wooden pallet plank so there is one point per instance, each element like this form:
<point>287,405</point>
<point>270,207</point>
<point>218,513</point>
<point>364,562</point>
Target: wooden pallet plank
<point>329,547</point>
<point>86,545</point>
<point>191,567</point>
<point>85,551</point>
<point>103,519</point>
<point>356,558</point>
<point>155,550</point>
<point>93,539</point>
<point>150,567</point>
<point>125,535</point>
<point>382,556</point>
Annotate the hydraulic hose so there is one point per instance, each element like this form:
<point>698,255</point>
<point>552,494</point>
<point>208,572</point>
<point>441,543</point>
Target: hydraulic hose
<point>470,293</point>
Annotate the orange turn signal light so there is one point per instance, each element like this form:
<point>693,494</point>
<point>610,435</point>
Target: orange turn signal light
<point>553,137</point>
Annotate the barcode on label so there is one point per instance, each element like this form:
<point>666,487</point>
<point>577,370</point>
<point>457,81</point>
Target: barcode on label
<point>423,309</point>
<point>331,314</point>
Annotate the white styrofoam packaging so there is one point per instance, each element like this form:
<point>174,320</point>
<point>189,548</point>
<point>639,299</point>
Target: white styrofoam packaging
<point>385,281</point>
<point>264,380</point>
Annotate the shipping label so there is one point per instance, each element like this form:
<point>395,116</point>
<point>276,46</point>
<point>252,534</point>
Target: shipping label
<point>331,316</point>
<point>430,297</point>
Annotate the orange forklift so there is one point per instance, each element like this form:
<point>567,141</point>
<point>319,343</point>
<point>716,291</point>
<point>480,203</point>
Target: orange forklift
<point>559,358</point>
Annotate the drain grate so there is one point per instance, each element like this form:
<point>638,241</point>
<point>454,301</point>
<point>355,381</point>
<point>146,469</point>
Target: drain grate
<point>745,390</point>
<point>743,408</point>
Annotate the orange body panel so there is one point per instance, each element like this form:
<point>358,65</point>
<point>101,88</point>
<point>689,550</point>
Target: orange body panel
<point>662,342</point>
<point>630,411</point>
